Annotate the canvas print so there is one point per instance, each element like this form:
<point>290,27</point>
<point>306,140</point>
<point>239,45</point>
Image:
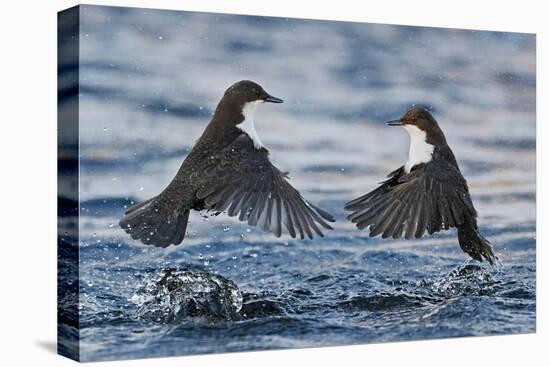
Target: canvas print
<point>238,183</point>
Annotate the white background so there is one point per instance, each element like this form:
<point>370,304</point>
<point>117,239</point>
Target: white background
<point>28,182</point>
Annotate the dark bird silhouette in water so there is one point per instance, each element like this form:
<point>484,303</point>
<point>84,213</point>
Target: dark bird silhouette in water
<point>428,193</point>
<point>228,169</point>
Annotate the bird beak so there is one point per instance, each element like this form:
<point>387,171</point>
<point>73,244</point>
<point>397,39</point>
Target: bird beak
<point>272,99</point>
<point>394,123</point>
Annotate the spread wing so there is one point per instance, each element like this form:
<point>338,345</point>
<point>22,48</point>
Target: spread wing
<point>431,197</point>
<point>242,181</point>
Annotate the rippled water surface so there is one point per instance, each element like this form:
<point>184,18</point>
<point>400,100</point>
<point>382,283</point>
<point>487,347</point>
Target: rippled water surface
<point>149,81</point>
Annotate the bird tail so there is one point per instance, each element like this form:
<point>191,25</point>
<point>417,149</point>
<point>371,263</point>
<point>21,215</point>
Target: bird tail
<point>474,244</point>
<point>155,223</point>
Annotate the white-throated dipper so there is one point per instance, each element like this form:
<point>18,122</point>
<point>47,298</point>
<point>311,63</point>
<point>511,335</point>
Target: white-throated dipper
<point>428,193</point>
<point>228,169</point>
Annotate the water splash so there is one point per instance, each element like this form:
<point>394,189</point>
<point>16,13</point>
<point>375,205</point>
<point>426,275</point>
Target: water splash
<point>470,279</point>
<point>177,295</point>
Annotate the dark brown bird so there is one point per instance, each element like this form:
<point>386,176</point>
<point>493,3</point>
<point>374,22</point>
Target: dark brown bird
<point>428,193</point>
<point>228,169</point>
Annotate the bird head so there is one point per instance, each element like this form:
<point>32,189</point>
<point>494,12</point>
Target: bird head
<point>419,120</point>
<point>246,91</point>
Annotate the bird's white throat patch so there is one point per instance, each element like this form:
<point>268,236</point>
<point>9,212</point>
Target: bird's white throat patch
<point>248,123</point>
<point>419,150</point>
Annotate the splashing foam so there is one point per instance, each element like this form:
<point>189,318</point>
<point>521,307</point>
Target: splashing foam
<point>466,280</point>
<point>176,295</point>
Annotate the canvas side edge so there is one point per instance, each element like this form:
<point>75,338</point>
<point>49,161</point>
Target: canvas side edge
<point>68,323</point>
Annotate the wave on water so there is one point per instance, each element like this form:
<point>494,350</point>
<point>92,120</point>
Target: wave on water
<point>174,296</point>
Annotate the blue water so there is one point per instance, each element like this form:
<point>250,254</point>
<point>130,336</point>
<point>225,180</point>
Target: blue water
<point>149,83</point>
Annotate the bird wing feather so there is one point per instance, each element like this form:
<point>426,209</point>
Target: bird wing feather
<point>241,180</point>
<point>432,197</point>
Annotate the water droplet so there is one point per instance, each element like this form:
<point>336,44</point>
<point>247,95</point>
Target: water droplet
<point>161,37</point>
<point>141,188</point>
<point>248,230</point>
<point>226,228</point>
<point>111,225</point>
<point>206,263</point>
<point>105,129</point>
